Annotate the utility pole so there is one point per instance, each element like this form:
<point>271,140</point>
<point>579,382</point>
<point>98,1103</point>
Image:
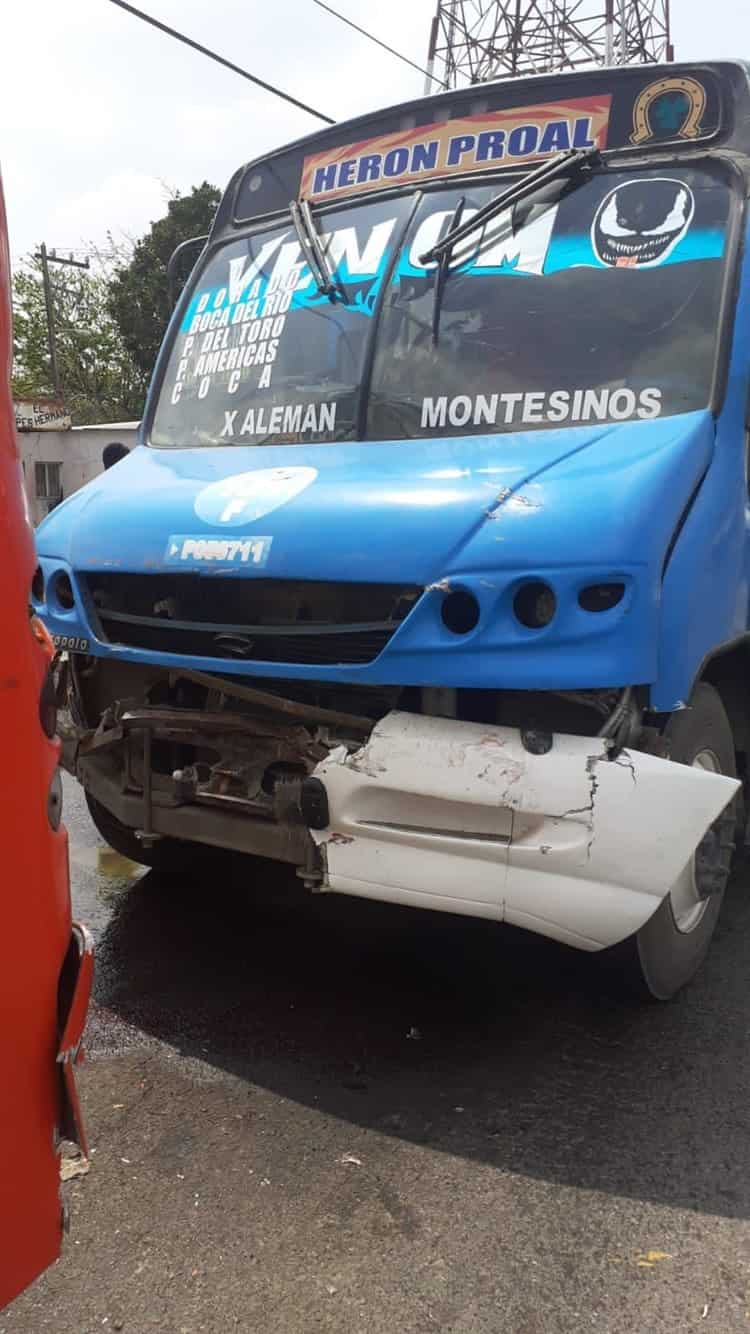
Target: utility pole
<point>47,258</point>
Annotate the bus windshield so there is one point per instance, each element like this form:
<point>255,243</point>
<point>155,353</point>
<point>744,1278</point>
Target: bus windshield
<point>598,301</point>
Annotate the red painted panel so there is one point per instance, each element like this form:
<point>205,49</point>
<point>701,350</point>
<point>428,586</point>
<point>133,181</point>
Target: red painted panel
<point>34,888</point>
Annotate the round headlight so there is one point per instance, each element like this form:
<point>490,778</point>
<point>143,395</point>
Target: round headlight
<point>460,612</point>
<point>535,604</point>
<point>37,585</point>
<point>63,591</point>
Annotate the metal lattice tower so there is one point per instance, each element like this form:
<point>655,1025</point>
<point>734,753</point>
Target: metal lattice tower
<point>475,40</point>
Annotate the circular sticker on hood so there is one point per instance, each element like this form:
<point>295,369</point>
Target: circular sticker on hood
<point>249,495</point>
<point>639,223</point>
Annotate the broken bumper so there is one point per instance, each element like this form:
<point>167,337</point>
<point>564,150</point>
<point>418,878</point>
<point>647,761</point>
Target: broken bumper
<point>460,817</point>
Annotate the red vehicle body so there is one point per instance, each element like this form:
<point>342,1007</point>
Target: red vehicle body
<point>45,976</point>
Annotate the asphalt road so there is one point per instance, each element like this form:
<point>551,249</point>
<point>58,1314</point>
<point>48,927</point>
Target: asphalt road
<point>317,1114</point>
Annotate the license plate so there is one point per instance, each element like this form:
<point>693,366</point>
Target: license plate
<point>70,643</point>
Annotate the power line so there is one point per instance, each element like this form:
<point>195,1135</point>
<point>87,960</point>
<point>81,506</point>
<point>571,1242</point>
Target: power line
<point>376,40</point>
<point>220,60</point>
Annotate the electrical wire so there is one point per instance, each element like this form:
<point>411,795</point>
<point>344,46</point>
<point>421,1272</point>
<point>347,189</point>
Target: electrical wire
<point>212,55</point>
<point>376,40</point>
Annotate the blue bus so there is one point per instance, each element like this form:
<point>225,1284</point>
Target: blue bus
<point>429,575</point>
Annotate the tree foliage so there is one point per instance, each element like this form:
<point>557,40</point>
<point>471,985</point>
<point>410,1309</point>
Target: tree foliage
<point>138,294</point>
<point>109,321</point>
<point>100,381</point>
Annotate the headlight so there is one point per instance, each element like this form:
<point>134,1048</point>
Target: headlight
<point>535,605</point>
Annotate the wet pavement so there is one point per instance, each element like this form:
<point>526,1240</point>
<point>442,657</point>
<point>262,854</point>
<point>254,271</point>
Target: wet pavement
<point>318,1114</point>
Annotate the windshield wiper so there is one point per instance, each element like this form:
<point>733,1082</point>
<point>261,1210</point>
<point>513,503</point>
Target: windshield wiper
<point>442,269</point>
<point>310,244</point>
<point>564,164</point>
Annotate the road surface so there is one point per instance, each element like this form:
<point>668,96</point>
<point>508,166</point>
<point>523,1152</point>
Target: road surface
<point>312,1114</point>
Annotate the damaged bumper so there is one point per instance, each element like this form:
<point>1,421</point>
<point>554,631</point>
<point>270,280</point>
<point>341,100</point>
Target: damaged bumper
<point>461,817</point>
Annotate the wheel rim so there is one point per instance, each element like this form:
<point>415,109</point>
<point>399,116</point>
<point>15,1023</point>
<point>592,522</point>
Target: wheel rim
<point>687,905</point>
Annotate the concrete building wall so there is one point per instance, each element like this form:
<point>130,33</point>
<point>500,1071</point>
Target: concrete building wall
<point>78,453</point>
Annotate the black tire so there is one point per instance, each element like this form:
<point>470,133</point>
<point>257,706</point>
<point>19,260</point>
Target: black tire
<point>170,856</point>
<point>656,962</point>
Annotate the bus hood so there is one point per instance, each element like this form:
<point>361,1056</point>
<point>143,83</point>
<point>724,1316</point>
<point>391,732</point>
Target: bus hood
<point>417,510</point>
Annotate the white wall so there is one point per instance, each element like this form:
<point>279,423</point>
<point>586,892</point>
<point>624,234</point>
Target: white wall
<point>78,451</point>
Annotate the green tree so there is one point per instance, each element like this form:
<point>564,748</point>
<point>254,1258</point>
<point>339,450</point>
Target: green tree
<point>138,293</point>
<point>99,379</point>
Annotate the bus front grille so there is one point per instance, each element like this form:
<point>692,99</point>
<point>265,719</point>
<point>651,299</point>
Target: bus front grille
<point>263,620</point>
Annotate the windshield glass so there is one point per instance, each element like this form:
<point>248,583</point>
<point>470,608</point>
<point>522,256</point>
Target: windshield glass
<point>261,354</point>
<point>595,301</point>
<point>603,306</point>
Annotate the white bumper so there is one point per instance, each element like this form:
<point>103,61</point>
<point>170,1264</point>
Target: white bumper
<point>459,816</point>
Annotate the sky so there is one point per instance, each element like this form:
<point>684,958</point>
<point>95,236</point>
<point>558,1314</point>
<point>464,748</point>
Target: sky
<point>103,117</point>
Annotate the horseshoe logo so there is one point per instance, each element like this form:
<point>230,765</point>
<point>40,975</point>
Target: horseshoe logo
<point>671,108</point>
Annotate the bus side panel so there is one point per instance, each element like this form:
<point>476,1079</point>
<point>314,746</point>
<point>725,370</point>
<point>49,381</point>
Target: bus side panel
<point>706,589</point>
<point>34,890</point>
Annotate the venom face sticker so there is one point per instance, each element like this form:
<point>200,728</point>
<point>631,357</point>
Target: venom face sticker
<point>639,223</point>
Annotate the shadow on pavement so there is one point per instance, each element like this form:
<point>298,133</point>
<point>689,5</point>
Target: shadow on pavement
<point>479,1041</point>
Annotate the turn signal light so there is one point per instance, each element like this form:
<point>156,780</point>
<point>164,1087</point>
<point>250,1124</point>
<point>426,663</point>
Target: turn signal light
<point>600,597</point>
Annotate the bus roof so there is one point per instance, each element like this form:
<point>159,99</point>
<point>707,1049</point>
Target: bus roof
<point>511,123</point>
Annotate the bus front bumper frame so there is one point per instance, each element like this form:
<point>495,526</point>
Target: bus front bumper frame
<point>460,817</point>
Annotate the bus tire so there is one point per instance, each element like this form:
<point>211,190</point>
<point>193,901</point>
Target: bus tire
<point>169,856</point>
<point>657,961</point>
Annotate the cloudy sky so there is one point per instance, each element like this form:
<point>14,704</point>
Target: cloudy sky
<point>101,116</point>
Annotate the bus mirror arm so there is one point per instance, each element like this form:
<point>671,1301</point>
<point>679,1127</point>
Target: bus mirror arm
<point>174,260</point>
